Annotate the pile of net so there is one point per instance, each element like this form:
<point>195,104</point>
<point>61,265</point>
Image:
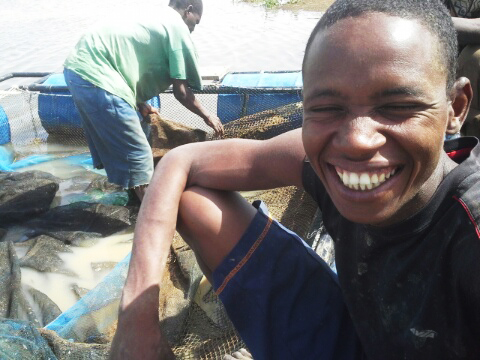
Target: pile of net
<point>33,327</point>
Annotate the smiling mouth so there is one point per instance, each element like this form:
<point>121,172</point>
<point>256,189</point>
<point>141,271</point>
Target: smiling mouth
<point>364,181</point>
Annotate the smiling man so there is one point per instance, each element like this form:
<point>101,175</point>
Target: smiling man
<point>380,94</point>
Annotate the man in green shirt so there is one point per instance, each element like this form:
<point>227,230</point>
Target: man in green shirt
<point>112,72</point>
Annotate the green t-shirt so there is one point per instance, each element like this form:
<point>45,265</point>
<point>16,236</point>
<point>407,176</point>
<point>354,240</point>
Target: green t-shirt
<point>136,60</point>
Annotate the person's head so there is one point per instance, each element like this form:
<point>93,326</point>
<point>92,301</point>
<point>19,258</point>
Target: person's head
<point>379,96</point>
<point>190,10</point>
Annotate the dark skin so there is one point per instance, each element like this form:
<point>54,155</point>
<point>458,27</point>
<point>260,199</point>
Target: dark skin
<point>388,122</point>
<point>468,31</point>
<point>187,98</point>
<point>375,126</point>
<point>241,354</point>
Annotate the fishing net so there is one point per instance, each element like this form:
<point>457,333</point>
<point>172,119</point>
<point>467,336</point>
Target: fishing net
<point>79,209</point>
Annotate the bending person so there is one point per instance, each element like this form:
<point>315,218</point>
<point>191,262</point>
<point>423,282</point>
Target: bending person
<point>466,18</point>
<point>116,68</point>
<point>380,93</point>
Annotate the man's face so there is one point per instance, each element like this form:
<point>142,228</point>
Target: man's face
<point>191,18</point>
<point>375,115</point>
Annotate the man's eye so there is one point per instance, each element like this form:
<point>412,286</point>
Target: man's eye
<point>326,109</point>
<point>400,107</point>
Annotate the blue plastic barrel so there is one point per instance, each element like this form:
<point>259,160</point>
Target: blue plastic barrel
<point>5,135</point>
<point>233,106</point>
<point>56,109</point>
<point>56,80</point>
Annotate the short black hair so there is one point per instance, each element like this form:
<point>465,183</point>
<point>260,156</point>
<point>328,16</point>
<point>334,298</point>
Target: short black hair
<point>183,4</point>
<point>431,13</point>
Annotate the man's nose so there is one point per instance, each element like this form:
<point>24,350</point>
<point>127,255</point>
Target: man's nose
<point>359,137</point>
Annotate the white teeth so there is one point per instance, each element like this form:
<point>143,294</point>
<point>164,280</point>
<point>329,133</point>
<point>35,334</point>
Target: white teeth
<point>353,179</point>
<point>363,181</point>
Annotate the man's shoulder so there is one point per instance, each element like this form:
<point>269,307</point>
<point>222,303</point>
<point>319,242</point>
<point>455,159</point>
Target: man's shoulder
<point>467,152</point>
<point>470,200</point>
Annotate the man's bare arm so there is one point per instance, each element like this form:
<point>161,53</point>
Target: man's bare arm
<point>187,98</point>
<point>468,30</point>
<point>223,165</point>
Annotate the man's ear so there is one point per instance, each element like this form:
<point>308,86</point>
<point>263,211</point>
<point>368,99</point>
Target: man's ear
<point>461,97</point>
<point>188,9</point>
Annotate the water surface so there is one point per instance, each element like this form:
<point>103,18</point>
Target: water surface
<point>235,35</point>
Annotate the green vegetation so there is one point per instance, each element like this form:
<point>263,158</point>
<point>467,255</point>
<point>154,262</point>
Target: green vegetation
<point>269,4</point>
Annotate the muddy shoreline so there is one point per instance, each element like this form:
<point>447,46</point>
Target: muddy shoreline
<point>305,5</point>
<point>308,5</point>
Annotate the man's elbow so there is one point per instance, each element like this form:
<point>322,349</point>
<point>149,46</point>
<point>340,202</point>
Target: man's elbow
<point>180,92</point>
<point>179,155</point>
<point>180,95</point>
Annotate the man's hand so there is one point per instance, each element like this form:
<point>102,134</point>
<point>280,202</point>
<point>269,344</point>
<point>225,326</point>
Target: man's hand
<point>186,97</point>
<point>139,341</point>
<point>241,354</point>
<point>145,109</point>
<point>138,334</point>
<point>215,123</point>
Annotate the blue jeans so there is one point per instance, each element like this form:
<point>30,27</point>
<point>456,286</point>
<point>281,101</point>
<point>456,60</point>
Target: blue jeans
<point>283,299</point>
<point>115,133</point>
